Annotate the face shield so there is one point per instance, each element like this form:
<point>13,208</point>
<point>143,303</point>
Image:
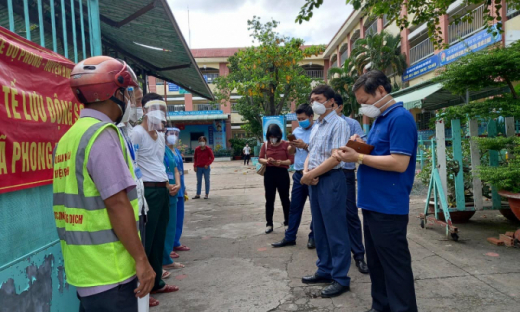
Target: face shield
<point>172,136</point>
<point>155,115</point>
<point>130,111</point>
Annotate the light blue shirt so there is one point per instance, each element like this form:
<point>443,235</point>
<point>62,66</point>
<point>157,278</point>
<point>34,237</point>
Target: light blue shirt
<point>330,133</point>
<point>301,154</point>
<point>355,128</point>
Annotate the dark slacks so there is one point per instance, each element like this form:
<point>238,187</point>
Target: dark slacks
<point>389,261</point>
<point>120,298</point>
<point>328,221</point>
<point>355,231</point>
<point>299,195</point>
<point>246,159</point>
<point>276,178</point>
<point>157,222</point>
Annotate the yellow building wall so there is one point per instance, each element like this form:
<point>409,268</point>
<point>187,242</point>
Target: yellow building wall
<point>236,118</point>
<point>422,78</point>
<point>393,29</point>
<point>201,63</point>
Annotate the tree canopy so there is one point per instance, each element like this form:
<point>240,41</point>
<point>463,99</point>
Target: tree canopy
<point>267,75</point>
<point>428,12</point>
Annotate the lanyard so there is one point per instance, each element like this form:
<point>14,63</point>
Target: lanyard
<point>129,145</point>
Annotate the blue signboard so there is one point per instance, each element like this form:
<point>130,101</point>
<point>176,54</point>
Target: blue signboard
<point>279,120</point>
<point>205,78</point>
<point>172,87</point>
<point>474,43</point>
<point>421,68</point>
<point>191,113</point>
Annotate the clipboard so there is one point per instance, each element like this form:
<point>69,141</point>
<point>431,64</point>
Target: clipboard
<point>361,148</point>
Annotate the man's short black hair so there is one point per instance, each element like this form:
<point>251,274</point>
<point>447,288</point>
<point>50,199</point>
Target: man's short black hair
<point>326,90</point>
<point>151,97</point>
<point>338,99</point>
<point>371,81</point>
<point>305,109</point>
<point>274,131</point>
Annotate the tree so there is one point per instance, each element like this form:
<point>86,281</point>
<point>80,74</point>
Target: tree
<point>341,79</point>
<point>267,76</point>
<point>428,12</point>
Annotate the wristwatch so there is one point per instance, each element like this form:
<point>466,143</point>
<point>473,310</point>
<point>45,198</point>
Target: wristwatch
<point>360,159</point>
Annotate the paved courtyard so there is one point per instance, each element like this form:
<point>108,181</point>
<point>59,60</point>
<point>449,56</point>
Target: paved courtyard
<point>232,266</point>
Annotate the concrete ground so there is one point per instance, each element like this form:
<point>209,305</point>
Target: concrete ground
<point>232,266</point>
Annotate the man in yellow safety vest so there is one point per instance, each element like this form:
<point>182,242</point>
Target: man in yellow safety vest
<point>95,199</point>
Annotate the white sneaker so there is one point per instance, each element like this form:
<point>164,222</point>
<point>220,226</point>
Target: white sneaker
<point>268,229</point>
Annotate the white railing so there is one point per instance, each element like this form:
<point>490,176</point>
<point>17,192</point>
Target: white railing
<point>176,108</point>
<point>511,11</point>
<point>385,19</point>
<point>210,77</point>
<point>344,56</point>
<point>314,73</point>
<point>372,29</point>
<point>463,29</point>
<point>206,107</point>
<point>421,50</point>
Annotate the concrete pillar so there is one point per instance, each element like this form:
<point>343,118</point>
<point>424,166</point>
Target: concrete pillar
<point>294,124</point>
<point>338,60</point>
<point>223,69</point>
<point>226,108</point>
<point>503,15</point>
<point>366,124</point>
<point>152,84</point>
<point>380,25</point>
<point>325,69</point>
<point>405,43</point>
<point>188,102</point>
<point>361,29</point>
<point>349,45</point>
<point>444,23</point>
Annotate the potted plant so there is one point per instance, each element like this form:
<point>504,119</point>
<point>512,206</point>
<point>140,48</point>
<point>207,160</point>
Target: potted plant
<point>505,177</point>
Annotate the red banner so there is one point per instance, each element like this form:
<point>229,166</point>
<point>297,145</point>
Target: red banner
<point>36,108</point>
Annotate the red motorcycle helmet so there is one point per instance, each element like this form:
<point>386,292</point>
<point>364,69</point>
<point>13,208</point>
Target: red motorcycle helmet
<point>97,78</point>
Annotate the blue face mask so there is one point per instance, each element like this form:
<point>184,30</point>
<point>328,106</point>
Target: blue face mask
<point>305,123</point>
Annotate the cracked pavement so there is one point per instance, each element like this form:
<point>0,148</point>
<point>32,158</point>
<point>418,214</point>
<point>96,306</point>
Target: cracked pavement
<point>232,267</point>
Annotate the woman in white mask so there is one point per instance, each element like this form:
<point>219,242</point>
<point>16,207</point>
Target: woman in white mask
<point>202,160</point>
<point>275,154</point>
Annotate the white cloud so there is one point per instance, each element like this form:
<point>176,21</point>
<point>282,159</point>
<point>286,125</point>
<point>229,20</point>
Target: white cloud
<point>223,23</point>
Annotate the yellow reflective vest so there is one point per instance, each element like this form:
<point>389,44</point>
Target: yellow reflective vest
<point>93,254</point>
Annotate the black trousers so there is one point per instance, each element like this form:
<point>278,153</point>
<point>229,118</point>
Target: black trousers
<point>120,298</point>
<point>389,261</point>
<point>246,159</point>
<point>158,200</point>
<point>276,178</point>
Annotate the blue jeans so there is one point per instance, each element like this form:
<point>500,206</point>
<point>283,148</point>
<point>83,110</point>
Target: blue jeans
<point>170,232</point>
<point>201,171</point>
<point>328,200</point>
<point>180,221</point>
<point>355,231</point>
<point>299,195</point>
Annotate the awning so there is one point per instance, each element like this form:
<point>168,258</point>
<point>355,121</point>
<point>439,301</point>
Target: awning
<point>197,117</point>
<point>146,32</point>
<point>431,96</point>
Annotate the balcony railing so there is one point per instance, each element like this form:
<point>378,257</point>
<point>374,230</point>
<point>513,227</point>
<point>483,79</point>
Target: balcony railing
<point>385,19</point>
<point>176,108</point>
<point>511,11</point>
<point>206,107</point>
<point>210,77</point>
<point>463,29</point>
<point>372,29</point>
<point>314,73</point>
<point>421,50</point>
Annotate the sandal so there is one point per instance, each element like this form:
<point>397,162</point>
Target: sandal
<point>165,274</point>
<point>196,197</point>
<point>166,289</point>
<point>181,248</point>
<point>174,265</point>
<point>152,302</point>
<point>174,255</point>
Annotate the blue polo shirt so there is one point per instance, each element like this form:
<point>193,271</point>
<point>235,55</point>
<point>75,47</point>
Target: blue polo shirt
<point>393,132</point>
<point>301,154</point>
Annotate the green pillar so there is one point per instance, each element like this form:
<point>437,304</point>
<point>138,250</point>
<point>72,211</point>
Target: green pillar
<point>457,156</point>
<point>95,27</point>
<point>493,161</point>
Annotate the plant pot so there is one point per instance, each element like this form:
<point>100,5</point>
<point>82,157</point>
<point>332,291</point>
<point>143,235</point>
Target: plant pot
<point>514,202</point>
<point>509,215</point>
<point>237,157</point>
<point>456,216</point>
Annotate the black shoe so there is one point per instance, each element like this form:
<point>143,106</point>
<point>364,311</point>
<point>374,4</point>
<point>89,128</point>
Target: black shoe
<point>268,229</point>
<point>333,290</point>
<point>283,243</point>
<point>373,310</point>
<point>311,244</point>
<point>362,266</point>
<point>315,279</point>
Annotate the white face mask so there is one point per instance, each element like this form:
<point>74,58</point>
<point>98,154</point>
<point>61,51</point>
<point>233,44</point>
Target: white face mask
<point>319,108</point>
<point>273,140</point>
<point>370,110</point>
<point>128,113</point>
<point>202,143</point>
<point>139,113</point>
<point>172,139</point>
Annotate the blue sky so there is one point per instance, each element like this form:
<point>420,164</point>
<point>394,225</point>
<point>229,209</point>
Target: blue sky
<point>223,23</point>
